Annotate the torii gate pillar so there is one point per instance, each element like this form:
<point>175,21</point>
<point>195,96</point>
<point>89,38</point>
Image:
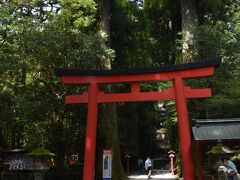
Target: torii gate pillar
<point>183,128</point>
<point>90,144</point>
<point>179,92</point>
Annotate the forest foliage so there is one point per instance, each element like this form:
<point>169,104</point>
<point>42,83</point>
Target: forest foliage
<point>37,36</point>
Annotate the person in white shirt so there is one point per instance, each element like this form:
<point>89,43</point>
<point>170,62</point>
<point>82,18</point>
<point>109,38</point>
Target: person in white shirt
<point>149,166</point>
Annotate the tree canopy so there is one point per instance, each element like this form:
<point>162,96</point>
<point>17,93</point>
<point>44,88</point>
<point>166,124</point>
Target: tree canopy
<point>38,35</point>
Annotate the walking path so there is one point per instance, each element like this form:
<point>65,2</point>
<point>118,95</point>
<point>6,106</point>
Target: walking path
<point>159,177</point>
<point>156,175</point>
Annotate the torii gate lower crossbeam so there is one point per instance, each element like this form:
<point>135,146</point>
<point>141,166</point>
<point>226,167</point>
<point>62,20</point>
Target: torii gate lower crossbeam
<point>177,74</point>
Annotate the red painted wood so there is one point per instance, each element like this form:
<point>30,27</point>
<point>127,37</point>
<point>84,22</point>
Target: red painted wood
<point>135,87</point>
<point>166,76</point>
<point>184,130</point>
<point>123,97</point>
<point>172,165</point>
<point>171,155</point>
<point>90,144</point>
<point>197,93</point>
<point>77,99</point>
<point>138,96</point>
<point>179,93</point>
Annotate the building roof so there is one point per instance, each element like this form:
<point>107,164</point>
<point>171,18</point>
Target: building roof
<point>216,129</point>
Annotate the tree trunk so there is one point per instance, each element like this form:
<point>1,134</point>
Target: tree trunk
<point>189,22</point>
<point>104,29</point>
<point>57,136</point>
<point>110,110</point>
<point>189,53</point>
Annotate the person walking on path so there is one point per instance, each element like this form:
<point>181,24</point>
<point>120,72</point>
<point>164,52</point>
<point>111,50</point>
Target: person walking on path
<point>148,167</point>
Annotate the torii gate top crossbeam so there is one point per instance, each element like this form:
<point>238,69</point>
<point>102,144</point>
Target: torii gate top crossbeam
<point>135,77</point>
<point>185,71</point>
<point>117,72</point>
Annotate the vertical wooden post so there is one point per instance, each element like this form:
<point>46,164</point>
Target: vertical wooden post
<point>172,165</point>
<point>171,156</point>
<point>184,130</point>
<point>90,145</point>
<point>127,156</point>
<point>199,161</point>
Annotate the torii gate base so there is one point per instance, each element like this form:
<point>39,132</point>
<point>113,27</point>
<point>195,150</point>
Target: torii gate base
<point>179,92</point>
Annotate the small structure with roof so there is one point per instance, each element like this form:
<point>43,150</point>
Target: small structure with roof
<point>214,136</point>
<point>14,160</point>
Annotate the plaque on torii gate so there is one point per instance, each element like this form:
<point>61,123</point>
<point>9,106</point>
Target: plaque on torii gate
<point>179,92</point>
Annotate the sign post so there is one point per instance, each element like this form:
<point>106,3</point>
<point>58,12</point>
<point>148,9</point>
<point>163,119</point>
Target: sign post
<point>107,164</point>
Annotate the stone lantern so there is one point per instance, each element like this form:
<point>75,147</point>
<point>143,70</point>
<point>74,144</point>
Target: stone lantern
<point>42,159</point>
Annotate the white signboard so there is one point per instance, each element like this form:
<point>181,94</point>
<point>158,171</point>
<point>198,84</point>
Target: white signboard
<point>107,164</point>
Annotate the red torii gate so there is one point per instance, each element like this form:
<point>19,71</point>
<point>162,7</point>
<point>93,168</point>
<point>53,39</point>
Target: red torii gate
<point>179,92</point>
